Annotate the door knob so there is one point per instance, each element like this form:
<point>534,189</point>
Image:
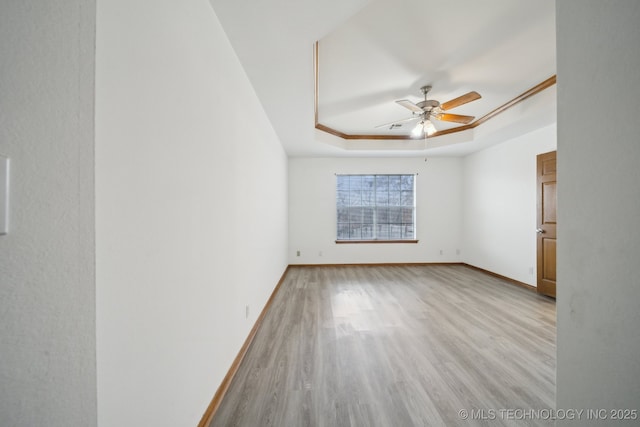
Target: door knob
<point>539,230</point>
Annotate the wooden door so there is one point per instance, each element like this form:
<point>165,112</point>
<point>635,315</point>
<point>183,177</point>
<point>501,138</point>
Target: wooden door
<point>546,231</point>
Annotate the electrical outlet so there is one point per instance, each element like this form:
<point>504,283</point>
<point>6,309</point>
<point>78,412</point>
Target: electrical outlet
<point>441,252</point>
<point>297,253</point>
<point>246,312</point>
<point>319,253</point>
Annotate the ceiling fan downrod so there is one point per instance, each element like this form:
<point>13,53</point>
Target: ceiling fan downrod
<point>428,104</point>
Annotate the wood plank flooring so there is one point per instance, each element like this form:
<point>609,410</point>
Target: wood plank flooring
<point>396,346</point>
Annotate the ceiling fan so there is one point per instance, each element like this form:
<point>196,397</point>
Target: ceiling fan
<point>429,109</point>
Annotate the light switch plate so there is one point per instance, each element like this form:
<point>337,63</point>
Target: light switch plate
<point>4,194</point>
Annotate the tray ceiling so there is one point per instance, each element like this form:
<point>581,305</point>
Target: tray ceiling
<point>374,53</point>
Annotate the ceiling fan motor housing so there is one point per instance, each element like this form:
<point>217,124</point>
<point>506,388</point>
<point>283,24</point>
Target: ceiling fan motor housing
<point>428,105</point>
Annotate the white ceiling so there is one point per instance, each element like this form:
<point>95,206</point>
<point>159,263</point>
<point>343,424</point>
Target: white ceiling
<point>372,53</point>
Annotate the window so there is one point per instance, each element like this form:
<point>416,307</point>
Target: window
<point>375,208</point>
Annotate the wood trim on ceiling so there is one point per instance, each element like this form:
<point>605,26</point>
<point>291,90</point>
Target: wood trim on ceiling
<point>501,109</point>
<point>518,99</point>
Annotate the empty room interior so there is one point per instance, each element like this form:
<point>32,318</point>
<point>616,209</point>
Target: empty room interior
<point>319,213</point>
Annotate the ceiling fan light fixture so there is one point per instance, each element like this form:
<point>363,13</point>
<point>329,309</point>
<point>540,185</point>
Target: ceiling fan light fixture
<point>424,127</point>
<point>417,131</point>
<point>429,128</point>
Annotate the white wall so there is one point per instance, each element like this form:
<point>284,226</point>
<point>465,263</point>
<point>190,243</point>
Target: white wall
<point>483,205</point>
<point>47,287</point>
<point>191,210</point>
<point>598,207</point>
<point>499,205</point>
<point>312,211</point>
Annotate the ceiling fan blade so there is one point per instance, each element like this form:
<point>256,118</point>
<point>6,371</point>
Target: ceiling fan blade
<point>410,105</point>
<point>455,118</point>
<point>398,121</point>
<point>456,102</point>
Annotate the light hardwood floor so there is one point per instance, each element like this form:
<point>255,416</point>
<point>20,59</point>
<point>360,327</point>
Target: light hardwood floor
<point>396,346</point>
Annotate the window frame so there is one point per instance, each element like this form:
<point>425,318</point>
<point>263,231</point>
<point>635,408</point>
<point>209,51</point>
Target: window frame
<point>375,212</point>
